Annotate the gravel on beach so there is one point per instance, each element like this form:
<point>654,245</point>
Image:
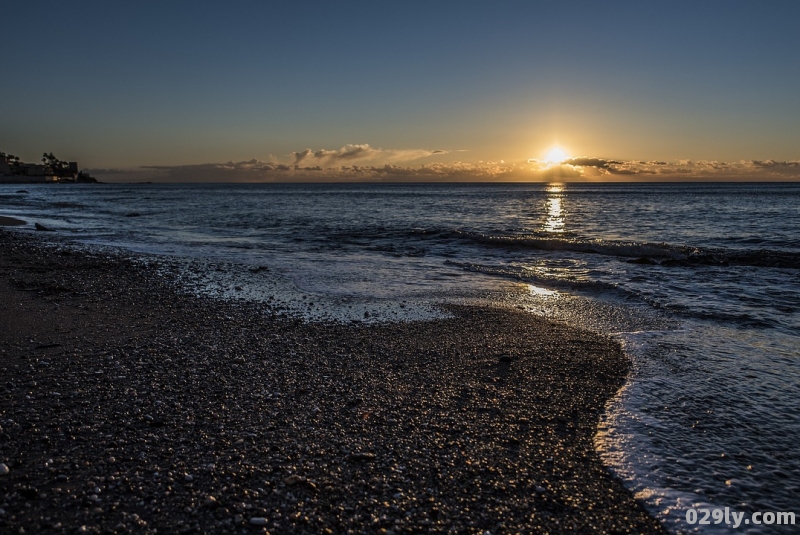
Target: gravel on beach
<point>127,405</point>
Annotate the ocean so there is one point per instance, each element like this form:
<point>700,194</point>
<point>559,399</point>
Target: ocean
<point>700,283</point>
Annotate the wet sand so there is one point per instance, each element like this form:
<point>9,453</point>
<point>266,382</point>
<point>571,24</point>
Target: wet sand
<point>127,406</point>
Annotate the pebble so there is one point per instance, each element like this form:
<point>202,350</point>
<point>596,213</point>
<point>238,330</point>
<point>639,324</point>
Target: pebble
<point>3,469</point>
<point>294,480</point>
<point>301,399</point>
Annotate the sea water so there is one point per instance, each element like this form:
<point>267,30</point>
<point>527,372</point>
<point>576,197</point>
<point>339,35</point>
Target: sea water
<point>699,282</point>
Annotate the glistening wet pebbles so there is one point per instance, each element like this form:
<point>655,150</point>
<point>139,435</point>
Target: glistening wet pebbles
<point>128,405</point>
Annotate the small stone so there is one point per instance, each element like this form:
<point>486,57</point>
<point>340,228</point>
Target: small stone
<point>189,478</point>
<point>258,521</point>
<point>3,469</point>
<point>294,480</point>
<point>210,501</point>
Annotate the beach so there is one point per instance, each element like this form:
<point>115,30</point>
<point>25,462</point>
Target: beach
<point>127,405</point>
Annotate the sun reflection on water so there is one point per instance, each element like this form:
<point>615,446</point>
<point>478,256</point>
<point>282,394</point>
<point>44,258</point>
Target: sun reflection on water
<point>555,213</point>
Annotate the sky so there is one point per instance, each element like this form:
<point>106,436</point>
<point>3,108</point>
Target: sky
<point>282,91</point>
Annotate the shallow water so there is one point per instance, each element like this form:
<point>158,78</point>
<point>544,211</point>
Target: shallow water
<point>700,282</point>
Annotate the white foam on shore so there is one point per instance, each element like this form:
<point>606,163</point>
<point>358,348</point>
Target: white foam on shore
<point>623,440</point>
<point>623,443</point>
<point>263,284</point>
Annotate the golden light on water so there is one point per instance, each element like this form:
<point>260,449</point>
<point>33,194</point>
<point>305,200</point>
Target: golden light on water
<point>555,212</point>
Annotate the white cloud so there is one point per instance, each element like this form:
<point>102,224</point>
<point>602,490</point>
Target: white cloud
<point>362,153</point>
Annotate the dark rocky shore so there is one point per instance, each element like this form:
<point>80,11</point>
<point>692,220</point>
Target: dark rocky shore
<point>126,406</point>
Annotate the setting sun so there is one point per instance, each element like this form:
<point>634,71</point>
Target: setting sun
<point>556,154</point>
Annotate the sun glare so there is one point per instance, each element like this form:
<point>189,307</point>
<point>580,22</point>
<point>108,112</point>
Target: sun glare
<point>556,155</point>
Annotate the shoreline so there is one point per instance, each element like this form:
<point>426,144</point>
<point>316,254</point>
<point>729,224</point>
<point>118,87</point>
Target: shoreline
<point>127,406</point>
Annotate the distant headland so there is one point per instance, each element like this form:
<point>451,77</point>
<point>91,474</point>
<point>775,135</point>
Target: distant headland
<point>51,170</point>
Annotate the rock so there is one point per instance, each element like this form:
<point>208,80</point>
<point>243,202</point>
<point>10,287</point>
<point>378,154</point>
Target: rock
<point>294,480</point>
<point>41,227</point>
<point>210,501</point>
<point>3,469</point>
<point>258,521</point>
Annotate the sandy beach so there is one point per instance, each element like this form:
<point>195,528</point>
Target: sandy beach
<point>128,406</point>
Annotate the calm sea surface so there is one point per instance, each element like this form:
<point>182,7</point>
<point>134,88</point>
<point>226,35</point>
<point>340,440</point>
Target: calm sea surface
<point>700,282</point>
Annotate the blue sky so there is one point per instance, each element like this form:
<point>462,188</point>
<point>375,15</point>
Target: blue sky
<point>182,87</point>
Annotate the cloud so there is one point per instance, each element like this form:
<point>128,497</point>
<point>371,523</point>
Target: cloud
<point>353,170</point>
<point>301,155</point>
<point>769,164</point>
<point>590,162</point>
<point>363,163</point>
<point>362,153</point>
<point>245,171</point>
<point>688,170</point>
